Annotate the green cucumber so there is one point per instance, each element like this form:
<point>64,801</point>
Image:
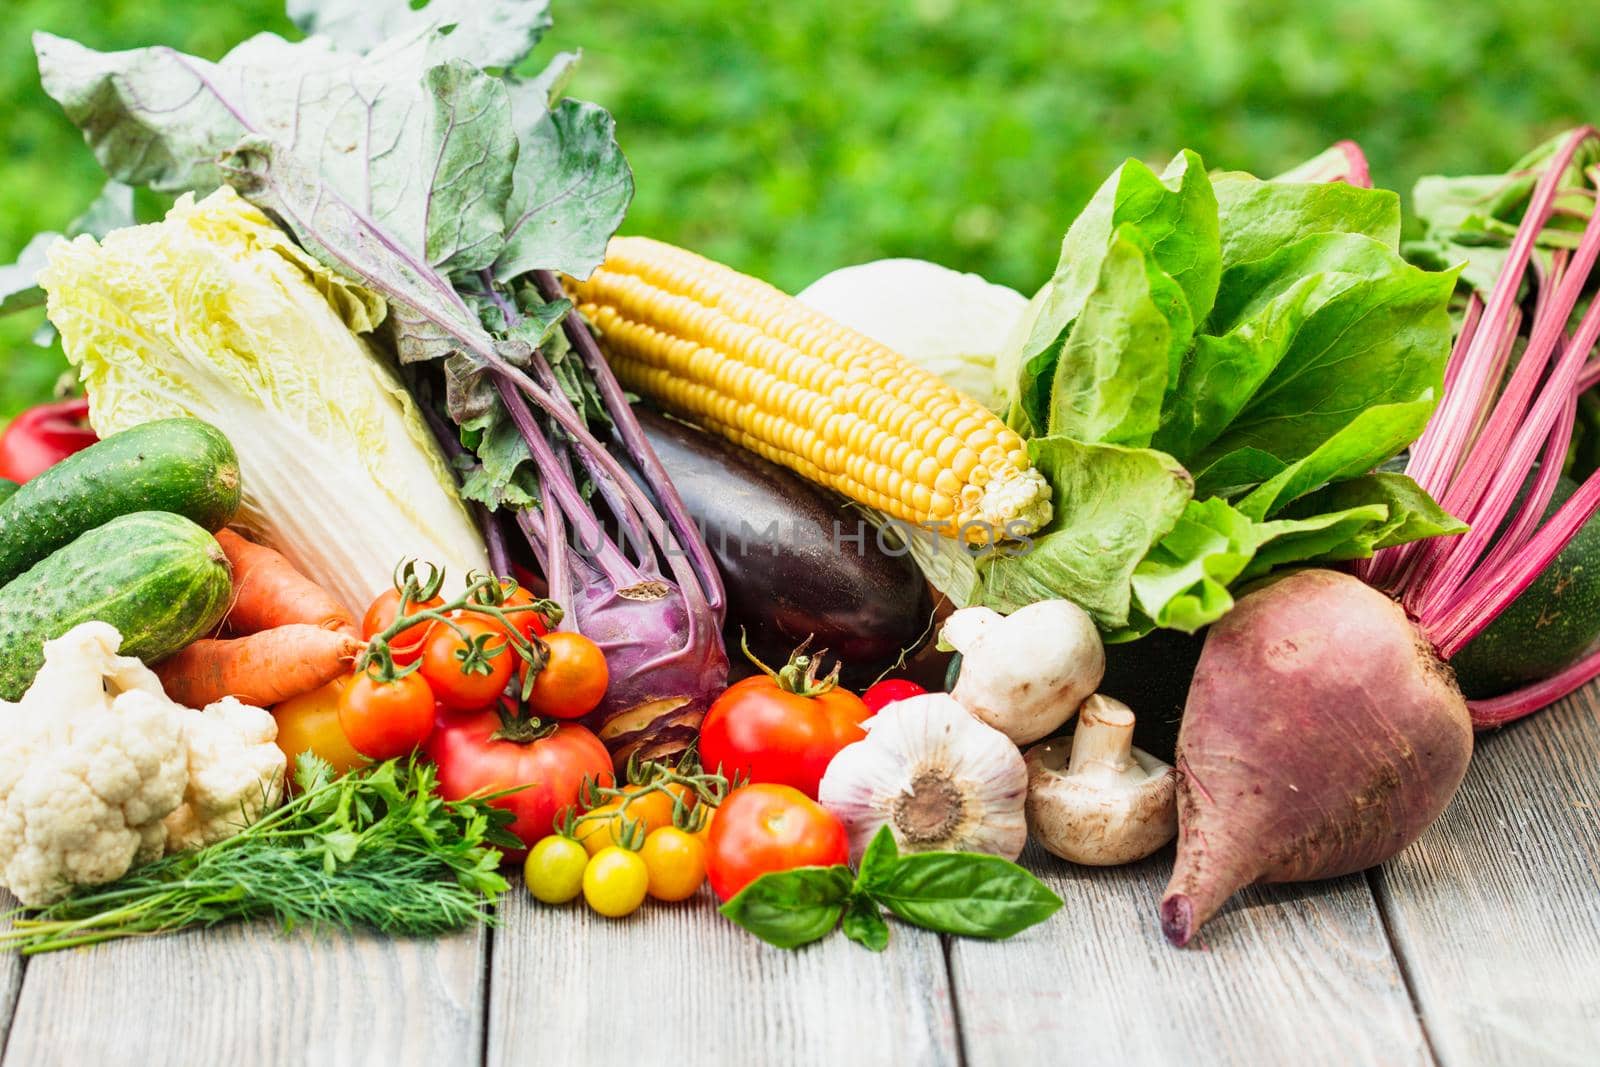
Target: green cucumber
<point>7,489</point>
<point>158,578</point>
<point>1551,624</point>
<point>184,466</point>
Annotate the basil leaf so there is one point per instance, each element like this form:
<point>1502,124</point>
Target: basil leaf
<point>966,894</point>
<point>879,860</point>
<point>864,924</point>
<point>792,908</point>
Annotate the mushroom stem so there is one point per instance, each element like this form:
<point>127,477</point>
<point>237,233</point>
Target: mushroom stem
<point>1104,736</point>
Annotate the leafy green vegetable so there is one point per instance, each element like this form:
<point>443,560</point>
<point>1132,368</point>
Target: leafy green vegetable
<point>375,848</point>
<point>1240,344</point>
<point>961,893</point>
<point>19,281</point>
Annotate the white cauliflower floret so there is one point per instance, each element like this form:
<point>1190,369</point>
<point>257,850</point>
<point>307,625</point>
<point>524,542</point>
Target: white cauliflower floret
<point>100,772</point>
<point>92,759</point>
<point>236,773</point>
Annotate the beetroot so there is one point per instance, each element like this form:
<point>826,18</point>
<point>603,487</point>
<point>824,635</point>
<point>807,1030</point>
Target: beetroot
<point>1323,731</point>
<point>1322,735</point>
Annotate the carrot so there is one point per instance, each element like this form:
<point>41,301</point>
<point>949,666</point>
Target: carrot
<point>268,592</point>
<point>262,668</point>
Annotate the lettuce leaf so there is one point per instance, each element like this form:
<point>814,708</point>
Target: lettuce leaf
<point>216,314</point>
<point>1262,343</point>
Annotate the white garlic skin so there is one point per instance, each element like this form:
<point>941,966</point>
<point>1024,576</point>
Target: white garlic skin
<point>932,739</point>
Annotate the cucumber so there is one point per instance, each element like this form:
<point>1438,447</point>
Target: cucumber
<point>158,578</point>
<point>184,466</point>
<point>7,489</point>
<point>1548,627</point>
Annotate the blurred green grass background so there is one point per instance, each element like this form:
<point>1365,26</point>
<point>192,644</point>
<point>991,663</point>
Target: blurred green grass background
<point>791,139</point>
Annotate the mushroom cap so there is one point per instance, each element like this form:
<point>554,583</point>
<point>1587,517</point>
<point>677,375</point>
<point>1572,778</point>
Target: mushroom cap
<point>1025,674</point>
<point>1100,818</point>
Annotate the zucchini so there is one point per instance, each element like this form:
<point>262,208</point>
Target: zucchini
<point>7,489</point>
<point>158,578</point>
<point>1548,627</point>
<point>184,466</point>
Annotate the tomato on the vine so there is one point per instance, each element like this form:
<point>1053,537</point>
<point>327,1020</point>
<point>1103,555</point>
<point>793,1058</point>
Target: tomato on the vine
<point>468,665</point>
<point>406,646</point>
<point>765,828</point>
<point>310,723</point>
<point>676,862</point>
<point>615,882</point>
<point>518,605</point>
<point>573,680</point>
<point>784,727</point>
<point>477,753</point>
<point>385,719</point>
<point>881,694</point>
<point>607,824</point>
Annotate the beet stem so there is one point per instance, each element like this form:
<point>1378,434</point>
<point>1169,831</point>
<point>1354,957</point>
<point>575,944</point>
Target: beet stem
<point>1520,703</point>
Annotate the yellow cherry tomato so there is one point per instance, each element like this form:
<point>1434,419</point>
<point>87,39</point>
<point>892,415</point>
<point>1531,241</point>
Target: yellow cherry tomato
<point>310,723</point>
<point>615,882</point>
<point>676,861</point>
<point>554,869</point>
<point>600,828</point>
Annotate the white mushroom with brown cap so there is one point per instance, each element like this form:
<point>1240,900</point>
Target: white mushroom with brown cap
<point>1095,799</point>
<point>1025,673</point>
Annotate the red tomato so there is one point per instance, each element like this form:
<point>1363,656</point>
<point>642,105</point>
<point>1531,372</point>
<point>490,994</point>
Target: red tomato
<point>573,682</point>
<point>472,761</point>
<point>529,624</point>
<point>43,436</point>
<point>764,828</point>
<point>888,691</point>
<point>444,663</point>
<point>386,719</point>
<point>763,731</point>
<point>406,646</point>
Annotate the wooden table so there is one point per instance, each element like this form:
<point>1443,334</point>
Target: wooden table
<point>1479,945</point>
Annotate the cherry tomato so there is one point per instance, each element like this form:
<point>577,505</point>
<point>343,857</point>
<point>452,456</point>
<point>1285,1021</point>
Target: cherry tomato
<point>386,719</point>
<point>574,680</point>
<point>310,723</point>
<point>764,828</point>
<point>604,825</point>
<point>615,882</point>
<point>888,691</point>
<point>554,870</point>
<point>43,436</point>
<point>529,624</point>
<point>406,646</point>
<point>444,663</point>
<point>784,730</point>
<point>552,767</point>
<point>676,861</point>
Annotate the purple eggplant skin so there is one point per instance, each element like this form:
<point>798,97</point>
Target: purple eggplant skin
<point>790,571</point>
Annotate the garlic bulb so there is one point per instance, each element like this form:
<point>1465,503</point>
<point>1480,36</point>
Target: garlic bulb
<point>938,777</point>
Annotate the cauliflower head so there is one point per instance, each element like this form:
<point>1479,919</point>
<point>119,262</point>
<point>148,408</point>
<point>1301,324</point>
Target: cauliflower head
<point>92,759</point>
<point>236,773</point>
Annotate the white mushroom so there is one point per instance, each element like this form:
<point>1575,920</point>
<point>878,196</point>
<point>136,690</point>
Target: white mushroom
<point>1095,799</point>
<point>1025,673</point>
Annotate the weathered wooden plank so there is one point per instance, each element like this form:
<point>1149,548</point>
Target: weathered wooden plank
<point>1496,911</point>
<point>676,984</point>
<point>245,996</point>
<point>1299,975</point>
<point>11,966</point>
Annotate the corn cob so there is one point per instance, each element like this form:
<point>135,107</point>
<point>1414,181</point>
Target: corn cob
<point>745,360</point>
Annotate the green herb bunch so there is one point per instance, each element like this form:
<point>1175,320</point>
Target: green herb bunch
<point>376,848</point>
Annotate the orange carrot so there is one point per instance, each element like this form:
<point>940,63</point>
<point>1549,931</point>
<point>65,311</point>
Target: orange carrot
<point>261,669</point>
<point>269,592</point>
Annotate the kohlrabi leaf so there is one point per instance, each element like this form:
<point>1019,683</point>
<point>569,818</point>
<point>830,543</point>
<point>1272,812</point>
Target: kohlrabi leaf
<point>570,189</point>
<point>1176,215</point>
<point>1111,505</point>
<point>487,33</point>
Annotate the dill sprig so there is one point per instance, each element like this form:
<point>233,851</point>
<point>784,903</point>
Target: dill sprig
<point>376,848</point>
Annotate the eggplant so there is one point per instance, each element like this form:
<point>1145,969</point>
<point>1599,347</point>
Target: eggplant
<point>789,558</point>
